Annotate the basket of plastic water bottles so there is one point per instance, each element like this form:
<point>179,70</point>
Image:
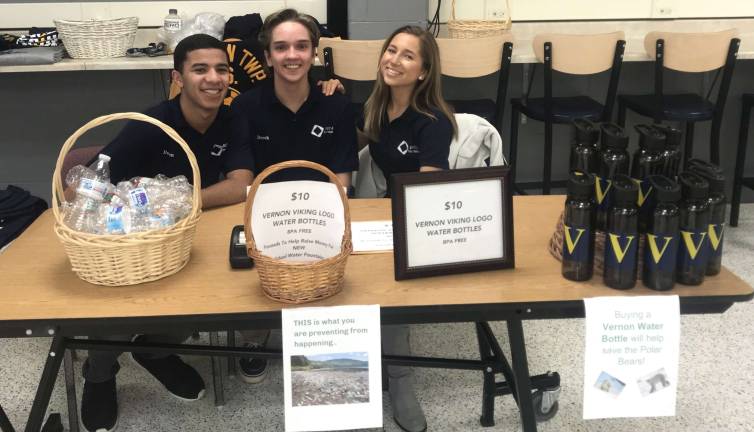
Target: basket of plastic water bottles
<point>138,231</point>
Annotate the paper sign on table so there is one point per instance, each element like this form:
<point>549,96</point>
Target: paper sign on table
<point>631,356</point>
<point>332,368</point>
<point>298,220</point>
<point>372,236</point>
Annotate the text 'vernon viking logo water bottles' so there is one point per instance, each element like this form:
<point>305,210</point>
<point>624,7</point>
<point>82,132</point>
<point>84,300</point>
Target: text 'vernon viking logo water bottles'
<point>694,225</point>
<point>662,237</point>
<point>578,228</point>
<point>622,236</point>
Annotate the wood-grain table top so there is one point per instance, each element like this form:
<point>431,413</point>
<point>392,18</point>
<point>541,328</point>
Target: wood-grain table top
<point>37,282</point>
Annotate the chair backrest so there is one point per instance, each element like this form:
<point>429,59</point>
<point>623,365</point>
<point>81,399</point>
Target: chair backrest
<point>581,55</point>
<point>354,60</point>
<point>691,52</point>
<point>578,54</point>
<point>469,58</point>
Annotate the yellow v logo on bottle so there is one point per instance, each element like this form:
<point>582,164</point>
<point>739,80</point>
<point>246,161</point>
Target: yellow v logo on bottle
<point>689,241</point>
<point>714,238</point>
<point>570,243</point>
<point>656,252</point>
<point>598,189</point>
<point>642,196</point>
<point>620,253</point>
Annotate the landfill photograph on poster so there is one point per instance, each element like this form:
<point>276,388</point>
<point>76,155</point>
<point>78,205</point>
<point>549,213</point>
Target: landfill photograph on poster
<point>330,379</point>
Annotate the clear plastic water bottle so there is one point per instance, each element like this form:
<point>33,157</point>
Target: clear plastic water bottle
<point>83,213</point>
<point>172,24</point>
<point>74,175</point>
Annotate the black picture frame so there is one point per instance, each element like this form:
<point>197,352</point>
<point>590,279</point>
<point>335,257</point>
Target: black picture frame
<point>398,185</point>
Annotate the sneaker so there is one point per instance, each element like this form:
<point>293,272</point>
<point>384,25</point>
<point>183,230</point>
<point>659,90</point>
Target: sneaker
<point>253,369</point>
<point>99,406</point>
<point>180,379</point>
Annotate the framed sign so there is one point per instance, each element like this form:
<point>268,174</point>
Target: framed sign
<point>454,221</point>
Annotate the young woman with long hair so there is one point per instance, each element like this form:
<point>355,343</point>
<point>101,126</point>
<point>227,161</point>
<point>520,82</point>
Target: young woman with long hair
<point>409,128</point>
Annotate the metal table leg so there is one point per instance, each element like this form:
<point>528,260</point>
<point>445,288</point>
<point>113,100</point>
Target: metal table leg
<point>217,372</point>
<point>5,425</point>
<point>46,384</point>
<point>70,390</point>
<point>521,377</point>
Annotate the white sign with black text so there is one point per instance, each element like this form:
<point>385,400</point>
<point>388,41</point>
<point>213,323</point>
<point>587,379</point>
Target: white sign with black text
<point>631,357</point>
<point>332,368</point>
<point>454,222</point>
<point>298,220</point>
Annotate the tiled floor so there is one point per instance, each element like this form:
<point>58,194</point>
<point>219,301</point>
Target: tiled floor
<point>715,390</point>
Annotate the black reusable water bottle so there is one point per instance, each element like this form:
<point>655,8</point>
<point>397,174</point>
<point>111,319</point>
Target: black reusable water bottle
<point>694,223</point>
<point>622,236</point>
<point>661,240</point>
<point>578,228</point>
<point>647,161</point>
<point>716,179</point>
<point>671,155</point>
<point>584,148</point>
<point>613,160</point>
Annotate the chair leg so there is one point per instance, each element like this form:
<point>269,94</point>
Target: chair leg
<point>714,141</point>
<point>547,174</point>
<point>217,373</point>
<point>513,155</point>
<point>688,152</point>
<point>621,114</point>
<point>738,174</point>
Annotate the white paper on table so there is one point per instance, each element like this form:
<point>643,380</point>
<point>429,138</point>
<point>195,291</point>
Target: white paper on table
<point>372,236</point>
<point>332,368</point>
<point>631,356</point>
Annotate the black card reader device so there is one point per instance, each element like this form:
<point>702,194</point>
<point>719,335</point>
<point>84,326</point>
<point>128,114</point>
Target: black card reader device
<point>238,256</point>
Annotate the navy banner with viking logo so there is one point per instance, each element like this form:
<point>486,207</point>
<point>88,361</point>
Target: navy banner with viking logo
<point>693,251</point>
<point>576,243</point>
<point>660,252</point>
<point>715,236</point>
<point>620,250</point>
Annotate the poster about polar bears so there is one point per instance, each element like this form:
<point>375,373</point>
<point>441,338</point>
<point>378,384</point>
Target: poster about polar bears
<point>631,357</point>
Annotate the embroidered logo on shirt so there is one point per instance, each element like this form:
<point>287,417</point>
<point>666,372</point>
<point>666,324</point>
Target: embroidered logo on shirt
<point>263,138</point>
<point>405,148</point>
<point>317,131</point>
<point>167,153</point>
<point>218,149</point>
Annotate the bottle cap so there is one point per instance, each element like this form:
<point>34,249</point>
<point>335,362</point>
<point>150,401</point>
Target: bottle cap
<point>672,135</point>
<point>104,157</point>
<point>693,186</point>
<point>650,138</point>
<point>586,131</point>
<point>613,136</point>
<point>665,189</point>
<point>625,191</point>
<point>173,11</point>
<point>581,185</point>
<point>710,172</point>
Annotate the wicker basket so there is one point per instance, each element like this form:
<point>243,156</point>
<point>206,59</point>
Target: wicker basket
<point>470,29</point>
<point>289,282</point>
<point>556,248</point>
<point>98,39</point>
<point>128,259</point>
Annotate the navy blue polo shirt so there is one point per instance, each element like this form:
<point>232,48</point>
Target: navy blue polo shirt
<point>321,131</point>
<point>411,141</point>
<point>142,149</point>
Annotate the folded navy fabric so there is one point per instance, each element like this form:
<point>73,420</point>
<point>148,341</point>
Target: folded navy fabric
<point>31,56</point>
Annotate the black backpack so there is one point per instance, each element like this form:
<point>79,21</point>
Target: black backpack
<point>18,209</point>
